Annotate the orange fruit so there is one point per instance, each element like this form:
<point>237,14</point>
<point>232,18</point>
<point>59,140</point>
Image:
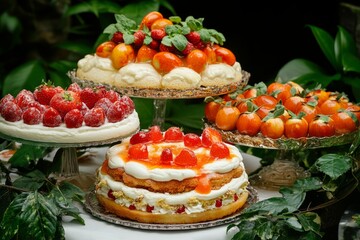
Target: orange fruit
<point>145,54</point>
<point>224,55</point>
<point>164,62</point>
<point>121,55</point>
<point>196,60</point>
<point>210,53</point>
<point>150,18</point>
<point>104,49</point>
<point>227,117</point>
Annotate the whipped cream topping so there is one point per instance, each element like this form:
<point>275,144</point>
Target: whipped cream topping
<point>144,74</point>
<point>62,134</point>
<point>165,203</point>
<point>139,169</point>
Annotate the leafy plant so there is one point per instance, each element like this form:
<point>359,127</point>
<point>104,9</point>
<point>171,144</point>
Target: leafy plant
<point>343,57</point>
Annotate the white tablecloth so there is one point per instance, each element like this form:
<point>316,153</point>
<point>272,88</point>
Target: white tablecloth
<point>97,229</point>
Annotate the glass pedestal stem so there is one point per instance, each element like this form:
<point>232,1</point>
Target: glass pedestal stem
<point>69,163</point>
<point>159,113</point>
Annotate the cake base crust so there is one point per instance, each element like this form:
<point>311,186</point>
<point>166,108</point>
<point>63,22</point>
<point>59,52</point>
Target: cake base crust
<point>146,217</point>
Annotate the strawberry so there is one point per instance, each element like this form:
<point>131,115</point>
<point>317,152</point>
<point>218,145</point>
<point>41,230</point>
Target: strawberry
<point>51,118</point>
<point>210,136</point>
<point>154,44</point>
<point>112,95</point>
<point>139,137</point>
<point>219,150</point>
<point>116,112</point>
<point>127,104</point>
<point>7,98</point>
<point>186,158</point>
<point>118,37</point>
<point>103,103</point>
<point>74,87</point>
<point>192,140</point>
<point>91,95</point>
<point>24,98</point>
<point>189,47</point>
<point>32,116</point>
<point>74,119</point>
<point>173,134</point>
<point>158,34</point>
<point>95,117</point>
<point>138,151</point>
<point>65,101</point>
<point>155,134</point>
<point>11,111</point>
<point>45,92</point>
<point>139,37</point>
<point>166,156</point>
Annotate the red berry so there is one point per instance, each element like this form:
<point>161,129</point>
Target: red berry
<point>218,203</point>
<point>65,101</point>
<point>154,44</point>
<point>103,103</point>
<point>95,117</point>
<point>186,158</point>
<point>128,104</point>
<point>51,117</point>
<point>193,37</point>
<point>149,208</point>
<point>158,34</point>
<point>210,136</point>
<point>219,150</point>
<point>138,151</point>
<point>111,195</point>
<point>32,116</point>
<point>139,137</point>
<point>11,112</point>
<point>132,207</point>
<point>192,140</point>
<point>116,112</point>
<point>155,134</point>
<point>117,37</point>
<point>189,47</point>
<point>74,119</point>
<point>166,156</point>
<point>181,209</point>
<point>45,92</point>
<point>24,99</point>
<point>139,37</point>
<point>74,87</point>
<point>235,197</point>
<point>91,95</point>
<point>173,134</point>
<point>7,98</point>
<point>112,95</point>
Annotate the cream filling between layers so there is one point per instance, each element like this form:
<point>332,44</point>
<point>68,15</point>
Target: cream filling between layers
<point>165,203</point>
<point>62,134</point>
<point>94,68</point>
<point>141,171</point>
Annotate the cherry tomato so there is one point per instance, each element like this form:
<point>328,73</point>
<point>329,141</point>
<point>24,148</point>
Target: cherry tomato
<point>344,122</point>
<point>211,109</point>
<point>296,128</point>
<point>322,126</point>
<point>272,128</point>
<point>248,123</point>
<point>226,117</point>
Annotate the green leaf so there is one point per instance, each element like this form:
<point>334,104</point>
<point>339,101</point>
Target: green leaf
<point>351,62</point>
<point>310,221</point>
<point>348,51</point>
<point>297,68</point>
<point>333,165</point>
<point>138,9</point>
<point>26,76</point>
<point>275,205</point>
<point>293,223</point>
<point>31,181</point>
<point>27,154</point>
<point>145,109</point>
<point>326,43</point>
<point>293,196</point>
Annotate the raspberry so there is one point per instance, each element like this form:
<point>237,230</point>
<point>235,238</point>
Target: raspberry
<point>51,118</point>
<point>103,103</point>
<point>74,119</point>
<point>32,116</point>
<point>116,112</point>
<point>11,112</point>
<point>95,117</point>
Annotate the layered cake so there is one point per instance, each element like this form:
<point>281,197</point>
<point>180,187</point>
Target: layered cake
<point>51,114</point>
<point>162,57</point>
<point>172,178</point>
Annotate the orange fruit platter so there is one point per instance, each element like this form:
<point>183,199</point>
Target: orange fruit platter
<point>283,116</point>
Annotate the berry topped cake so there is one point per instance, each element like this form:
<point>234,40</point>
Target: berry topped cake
<point>172,178</point>
<point>162,57</point>
<point>51,114</point>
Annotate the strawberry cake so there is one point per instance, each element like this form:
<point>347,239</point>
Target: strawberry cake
<point>162,57</point>
<point>51,114</point>
<point>172,178</point>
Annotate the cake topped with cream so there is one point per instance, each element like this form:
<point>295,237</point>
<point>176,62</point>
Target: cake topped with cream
<point>172,177</point>
<point>162,54</point>
<point>52,114</point>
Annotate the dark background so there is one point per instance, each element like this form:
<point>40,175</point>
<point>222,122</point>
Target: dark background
<point>266,35</point>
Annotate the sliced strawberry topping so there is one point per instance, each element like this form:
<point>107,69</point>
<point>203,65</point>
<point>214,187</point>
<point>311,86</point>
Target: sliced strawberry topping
<point>32,116</point>
<point>218,203</point>
<point>95,117</point>
<point>173,134</point>
<point>219,150</point>
<point>51,117</point>
<point>149,208</point>
<point>192,140</point>
<point>74,119</point>
<point>186,158</point>
<point>111,195</point>
<point>155,134</point>
<point>138,151</point>
<point>139,137</point>
<point>132,207</point>
<point>11,112</point>
<point>210,136</point>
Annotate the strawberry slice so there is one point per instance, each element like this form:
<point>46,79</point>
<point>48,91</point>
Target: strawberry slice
<point>186,158</point>
<point>155,134</point>
<point>192,140</point>
<point>166,156</point>
<point>173,134</point>
<point>219,150</point>
<point>139,137</point>
<point>210,136</point>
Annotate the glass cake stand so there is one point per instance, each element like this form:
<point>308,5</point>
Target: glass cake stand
<point>69,161</point>
<point>160,95</point>
<point>285,169</point>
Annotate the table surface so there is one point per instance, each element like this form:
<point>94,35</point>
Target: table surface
<point>95,228</point>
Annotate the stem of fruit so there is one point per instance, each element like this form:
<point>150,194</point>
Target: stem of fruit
<point>159,113</point>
